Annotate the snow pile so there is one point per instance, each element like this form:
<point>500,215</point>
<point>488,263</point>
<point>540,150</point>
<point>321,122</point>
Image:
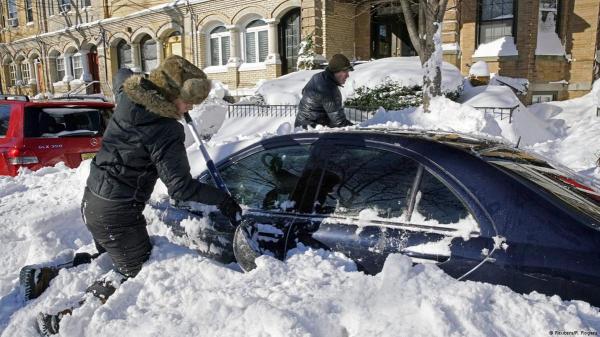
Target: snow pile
<point>179,293</point>
<point>576,128</point>
<point>406,71</point>
<point>504,46</point>
<point>479,69</point>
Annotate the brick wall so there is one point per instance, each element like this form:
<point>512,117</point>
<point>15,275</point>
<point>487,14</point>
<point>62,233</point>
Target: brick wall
<point>339,23</point>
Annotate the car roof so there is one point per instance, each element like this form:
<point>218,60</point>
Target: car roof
<point>75,101</point>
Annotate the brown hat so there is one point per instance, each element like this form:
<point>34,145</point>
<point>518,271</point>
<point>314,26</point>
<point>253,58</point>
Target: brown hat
<point>179,78</point>
<point>339,62</point>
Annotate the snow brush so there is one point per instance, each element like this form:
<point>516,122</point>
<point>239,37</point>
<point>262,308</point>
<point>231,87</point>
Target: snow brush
<point>245,248</point>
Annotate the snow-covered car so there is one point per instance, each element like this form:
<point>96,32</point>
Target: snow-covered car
<point>480,210</point>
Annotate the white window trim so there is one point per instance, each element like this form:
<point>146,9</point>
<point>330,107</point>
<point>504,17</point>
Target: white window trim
<point>12,74</point>
<point>25,66</point>
<point>215,69</point>
<point>60,79</point>
<point>29,22</point>
<point>255,31</point>
<point>218,36</point>
<point>73,57</point>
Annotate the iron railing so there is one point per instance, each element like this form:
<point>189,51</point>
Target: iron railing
<point>354,114</point>
<point>502,112</point>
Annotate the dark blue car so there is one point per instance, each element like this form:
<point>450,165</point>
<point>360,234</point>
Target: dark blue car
<point>480,210</point>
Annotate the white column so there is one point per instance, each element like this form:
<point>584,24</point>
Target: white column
<point>159,51</point>
<point>19,79</point>
<point>136,58</point>
<point>33,74</point>
<point>68,68</point>
<point>86,76</point>
<point>273,57</point>
<point>234,44</point>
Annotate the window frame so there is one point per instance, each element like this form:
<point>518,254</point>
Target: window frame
<point>481,21</point>
<point>29,10</point>
<point>120,52</point>
<point>64,6</point>
<point>256,30</point>
<point>12,73</point>
<point>60,71</point>
<point>77,65</point>
<point>13,13</point>
<point>219,36</point>
<point>144,60</point>
<point>25,72</point>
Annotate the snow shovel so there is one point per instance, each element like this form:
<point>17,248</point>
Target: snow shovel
<point>244,249</point>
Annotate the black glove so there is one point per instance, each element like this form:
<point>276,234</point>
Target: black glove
<point>231,209</point>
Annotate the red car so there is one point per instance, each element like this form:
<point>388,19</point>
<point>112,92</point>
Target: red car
<point>34,134</point>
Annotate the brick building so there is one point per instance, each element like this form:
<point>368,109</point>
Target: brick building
<point>65,45</point>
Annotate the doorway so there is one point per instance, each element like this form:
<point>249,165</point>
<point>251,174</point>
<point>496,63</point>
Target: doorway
<point>289,41</point>
<point>389,34</point>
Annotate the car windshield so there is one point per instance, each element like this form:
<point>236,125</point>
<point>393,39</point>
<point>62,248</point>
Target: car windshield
<point>62,122</point>
<point>567,189</point>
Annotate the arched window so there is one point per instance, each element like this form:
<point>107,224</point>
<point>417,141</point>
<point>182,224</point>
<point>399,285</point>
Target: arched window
<point>148,54</point>
<point>256,41</point>
<point>219,46</point>
<point>124,59</point>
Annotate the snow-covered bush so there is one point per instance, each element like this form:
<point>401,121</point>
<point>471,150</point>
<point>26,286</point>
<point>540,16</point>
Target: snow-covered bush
<point>390,95</point>
<point>307,58</point>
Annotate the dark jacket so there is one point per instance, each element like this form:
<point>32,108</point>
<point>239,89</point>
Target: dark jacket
<point>144,141</point>
<point>321,103</point>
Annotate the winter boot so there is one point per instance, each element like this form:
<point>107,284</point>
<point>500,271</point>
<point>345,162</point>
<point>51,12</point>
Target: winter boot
<point>34,279</point>
<point>101,290</point>
<point>48,324</point>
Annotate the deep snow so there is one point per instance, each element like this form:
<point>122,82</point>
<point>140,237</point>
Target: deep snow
<point>314,293</point>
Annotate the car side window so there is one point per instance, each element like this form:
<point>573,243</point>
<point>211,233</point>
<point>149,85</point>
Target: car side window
<point>266,180</point>
<point>364,179</point>
<point>4,119</point>
<point>435,204</point>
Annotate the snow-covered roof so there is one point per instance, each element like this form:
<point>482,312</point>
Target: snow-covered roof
<point>490,96</point>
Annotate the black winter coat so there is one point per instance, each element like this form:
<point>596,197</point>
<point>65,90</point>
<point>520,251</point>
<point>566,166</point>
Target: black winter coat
<point>321,103</point>
<point>144,141</point>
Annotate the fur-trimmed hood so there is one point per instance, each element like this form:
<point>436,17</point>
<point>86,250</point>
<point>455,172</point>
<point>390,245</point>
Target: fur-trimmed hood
<point>143,92</point>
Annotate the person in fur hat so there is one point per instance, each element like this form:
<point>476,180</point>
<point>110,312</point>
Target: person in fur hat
<point>144,141</point>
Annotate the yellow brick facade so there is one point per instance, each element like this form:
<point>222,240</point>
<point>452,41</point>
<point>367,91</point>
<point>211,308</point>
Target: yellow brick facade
<point>96,32</point>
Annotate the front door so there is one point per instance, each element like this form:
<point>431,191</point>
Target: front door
<point>289,41</point>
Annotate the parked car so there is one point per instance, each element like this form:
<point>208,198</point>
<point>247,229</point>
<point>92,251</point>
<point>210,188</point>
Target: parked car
<point>480,210</point>
<point>34,134</point>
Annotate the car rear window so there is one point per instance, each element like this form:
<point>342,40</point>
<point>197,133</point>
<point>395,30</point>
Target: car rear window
<point>63,122</point>
<point>4,118</point>
<point>568,190</point>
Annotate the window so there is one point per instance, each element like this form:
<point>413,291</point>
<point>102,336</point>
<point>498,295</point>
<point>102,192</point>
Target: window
<point>25,73</point>
<point>29,10</point>
<point>51,7</point>
<point>13,14</point>
<point>549,17</point>
<point>86,3</point>
<point>371,183</point>
<point>53,122</point>
<point>4,119</point>
<point>148,49</point>
<point>542,97</point>
<point>256,41</point>
<point>266,180</point>
<point>124,55</point>
<point>60,68</point>
<point>357,179</point>
<point>219,46</point>
<point>64,6</point>
<point>496,19</point>
<point>77,66</point>
<point>12,72</point>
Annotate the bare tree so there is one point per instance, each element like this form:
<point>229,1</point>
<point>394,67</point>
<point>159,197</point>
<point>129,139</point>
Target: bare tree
<point>425,36</point>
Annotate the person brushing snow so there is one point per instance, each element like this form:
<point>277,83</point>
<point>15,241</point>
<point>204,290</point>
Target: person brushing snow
<point>143,142</point>
<point>321,101</point>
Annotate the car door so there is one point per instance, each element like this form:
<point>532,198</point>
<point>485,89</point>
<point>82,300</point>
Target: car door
<point>263,180</point>
<point>374,202</point>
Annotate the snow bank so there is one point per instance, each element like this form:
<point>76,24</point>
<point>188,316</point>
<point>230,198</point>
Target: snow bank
<point>405,70</point>
<point>179,293</point>
<point>504,46</point>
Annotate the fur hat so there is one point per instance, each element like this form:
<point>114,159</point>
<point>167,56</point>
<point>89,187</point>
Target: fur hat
<point>339,62</point>
<point>176,77</point>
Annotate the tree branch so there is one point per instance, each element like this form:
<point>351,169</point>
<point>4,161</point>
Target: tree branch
<point>411,26</point>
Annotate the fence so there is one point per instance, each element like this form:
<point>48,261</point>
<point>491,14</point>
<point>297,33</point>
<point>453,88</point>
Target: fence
<point>502,112</point>
<point>354,114</point>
